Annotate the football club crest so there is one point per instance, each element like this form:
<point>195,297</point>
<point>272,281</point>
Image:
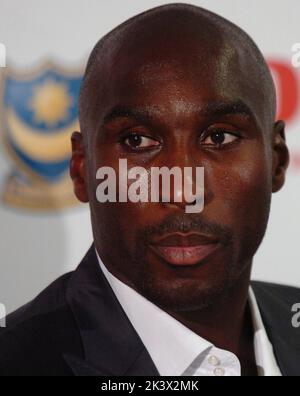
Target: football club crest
<point>38,115</point>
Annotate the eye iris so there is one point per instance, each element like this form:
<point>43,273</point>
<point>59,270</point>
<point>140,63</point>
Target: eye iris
<point>218,137</point>
<point>135,140</point>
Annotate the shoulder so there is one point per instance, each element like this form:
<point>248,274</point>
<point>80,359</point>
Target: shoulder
<point>273,293</point>
<point>276,304</point>
<point>38,334</point>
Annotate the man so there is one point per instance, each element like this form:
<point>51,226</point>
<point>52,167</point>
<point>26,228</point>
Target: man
<point>163,291</point>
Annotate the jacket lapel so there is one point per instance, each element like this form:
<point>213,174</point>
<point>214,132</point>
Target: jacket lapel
<point>110,343</point>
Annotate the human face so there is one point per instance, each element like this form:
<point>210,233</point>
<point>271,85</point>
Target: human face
<point>186,111</point>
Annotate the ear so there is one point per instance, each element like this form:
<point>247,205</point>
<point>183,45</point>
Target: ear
<point>78,167</point>
<point>280,156</point>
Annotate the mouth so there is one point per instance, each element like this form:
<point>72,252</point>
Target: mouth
<point>180,249</point>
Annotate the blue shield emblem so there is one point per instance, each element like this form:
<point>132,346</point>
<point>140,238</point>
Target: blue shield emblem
<point>39,113</point>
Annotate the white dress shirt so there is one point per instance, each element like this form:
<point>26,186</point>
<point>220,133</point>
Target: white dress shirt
<point>178,351</point>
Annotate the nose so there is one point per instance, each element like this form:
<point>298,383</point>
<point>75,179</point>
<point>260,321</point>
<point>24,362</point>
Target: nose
<point>181,181</point>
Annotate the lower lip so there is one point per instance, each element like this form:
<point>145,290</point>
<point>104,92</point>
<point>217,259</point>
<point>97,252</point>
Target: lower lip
<point>185,256</point>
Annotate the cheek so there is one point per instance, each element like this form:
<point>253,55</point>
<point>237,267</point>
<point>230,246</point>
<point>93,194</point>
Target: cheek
<point>116,218</point>
<point>246,182</point>
<point>244,179</point>
<point>242,195</point>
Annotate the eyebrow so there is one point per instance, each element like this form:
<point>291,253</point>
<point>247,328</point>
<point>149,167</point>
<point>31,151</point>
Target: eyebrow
<point>213,109</point>
<point>139,114</point>
<point>227,108</point>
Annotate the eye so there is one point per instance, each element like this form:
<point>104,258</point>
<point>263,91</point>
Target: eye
<point>219,138</point>
<point>137,141</point>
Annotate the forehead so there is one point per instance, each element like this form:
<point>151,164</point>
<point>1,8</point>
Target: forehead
<point>172,74</point>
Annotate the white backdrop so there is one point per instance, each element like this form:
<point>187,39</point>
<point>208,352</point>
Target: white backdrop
<point>36,248</point>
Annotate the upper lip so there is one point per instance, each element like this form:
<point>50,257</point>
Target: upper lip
<point>180,239</point>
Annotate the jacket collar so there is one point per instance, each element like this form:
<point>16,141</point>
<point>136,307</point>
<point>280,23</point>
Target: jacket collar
<point>110,343</point>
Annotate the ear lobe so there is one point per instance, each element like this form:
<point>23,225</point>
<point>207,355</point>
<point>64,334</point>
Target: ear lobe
<point>280,156</point>
<point>78,167</point>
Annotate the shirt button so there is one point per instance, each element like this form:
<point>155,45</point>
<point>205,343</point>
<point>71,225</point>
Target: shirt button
<point>213,360</point>
<point>219,372</point>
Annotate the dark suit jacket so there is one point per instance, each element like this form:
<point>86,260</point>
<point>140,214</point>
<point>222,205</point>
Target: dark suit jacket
<point>77,327</point>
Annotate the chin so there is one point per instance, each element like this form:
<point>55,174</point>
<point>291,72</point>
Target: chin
<point>185,295</point>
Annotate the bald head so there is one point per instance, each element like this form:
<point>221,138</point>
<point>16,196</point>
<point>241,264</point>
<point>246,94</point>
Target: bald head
<point>177,40</point>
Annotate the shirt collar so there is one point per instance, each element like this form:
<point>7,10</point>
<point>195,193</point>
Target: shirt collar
<point>264,354</point>
<point>169,339</point>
